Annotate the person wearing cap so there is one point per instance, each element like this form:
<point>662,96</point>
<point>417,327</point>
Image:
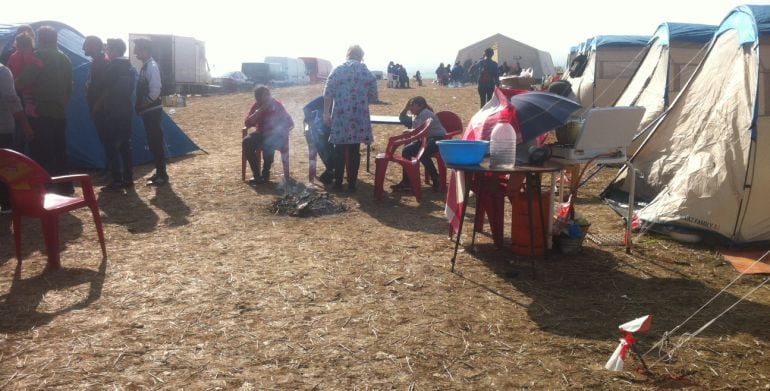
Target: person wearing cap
<point>149,106</point>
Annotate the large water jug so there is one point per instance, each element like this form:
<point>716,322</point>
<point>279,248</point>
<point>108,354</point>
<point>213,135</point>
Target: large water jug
<point>502,146</point>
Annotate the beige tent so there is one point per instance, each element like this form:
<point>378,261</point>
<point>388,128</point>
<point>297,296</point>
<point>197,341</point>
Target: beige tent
<point>509,50</point>
<point>673,53</point>
<point>609,61</point>
<point>705,166</point>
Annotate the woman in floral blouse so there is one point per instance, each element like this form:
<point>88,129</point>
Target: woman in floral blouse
<point>349,90</point>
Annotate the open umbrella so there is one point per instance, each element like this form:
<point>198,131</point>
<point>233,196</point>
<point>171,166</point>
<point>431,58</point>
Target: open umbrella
<point>531,113</point>
<point>539,112</point>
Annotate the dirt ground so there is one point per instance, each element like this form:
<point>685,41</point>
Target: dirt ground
<point>204,288</point>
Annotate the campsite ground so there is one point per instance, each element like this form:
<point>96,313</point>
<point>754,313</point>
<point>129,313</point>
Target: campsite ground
<point>204,288</point>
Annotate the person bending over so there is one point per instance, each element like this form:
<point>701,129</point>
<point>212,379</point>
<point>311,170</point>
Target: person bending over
<point>420,112</point>
<point>273,124</point>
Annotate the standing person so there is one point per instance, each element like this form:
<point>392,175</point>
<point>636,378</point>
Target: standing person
<point>349,90</point>
<point>52,86</point>
<point>420,112</point>
<point>116,107</point>
<point>11,116</point>
<point>457,74</point>
<point>149,107</point>
<point>488,77</point>
<point>24,29</point>
<point>22,57</point>
<point>94,47</point>
<point>273,124</point>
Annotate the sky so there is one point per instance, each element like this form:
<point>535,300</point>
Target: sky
<point>417,34</point>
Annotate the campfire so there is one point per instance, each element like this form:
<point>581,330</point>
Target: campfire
<point>302,201</point>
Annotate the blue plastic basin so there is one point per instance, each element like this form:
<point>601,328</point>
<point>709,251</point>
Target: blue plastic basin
<point>463,152</point>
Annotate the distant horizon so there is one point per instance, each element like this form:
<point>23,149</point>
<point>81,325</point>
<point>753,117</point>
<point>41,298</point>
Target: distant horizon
<point>233,35</point>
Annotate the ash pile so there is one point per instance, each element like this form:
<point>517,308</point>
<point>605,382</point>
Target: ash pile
<point>301,201</point>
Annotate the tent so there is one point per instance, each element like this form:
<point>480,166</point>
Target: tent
<point>83,146</point>
<point>704,169</point>
<point>607,64</point>
<point>509,50</point>
<point>672,54</point>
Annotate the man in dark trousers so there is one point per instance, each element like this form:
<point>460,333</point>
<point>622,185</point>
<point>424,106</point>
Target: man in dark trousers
<point>94,47</point>
<point>52,86</point>
<point>488,77</point>
<point>149,107</point>
<point>117,108</point>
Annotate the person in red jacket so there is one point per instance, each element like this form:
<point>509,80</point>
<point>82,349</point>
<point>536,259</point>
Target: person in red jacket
<point>273,124</point>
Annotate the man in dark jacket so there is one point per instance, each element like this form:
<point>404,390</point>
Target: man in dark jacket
<point>116,107</point>
<point>94,47</point>
<point>52,89</point>
<point>149,107</point>
<point>488,77</point>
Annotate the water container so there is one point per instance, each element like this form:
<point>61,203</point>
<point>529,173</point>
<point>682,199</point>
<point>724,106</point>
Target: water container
<point>502,146</point>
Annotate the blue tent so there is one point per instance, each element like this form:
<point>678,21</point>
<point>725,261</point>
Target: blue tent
<point>83,146</point>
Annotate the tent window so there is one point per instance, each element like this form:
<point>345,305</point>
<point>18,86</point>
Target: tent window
<point>617,69</point>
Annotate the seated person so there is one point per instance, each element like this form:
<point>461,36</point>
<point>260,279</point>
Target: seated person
<point>418,78</point>
<point>273,124</point>
<point>420,112</point>
<point>317,137</point>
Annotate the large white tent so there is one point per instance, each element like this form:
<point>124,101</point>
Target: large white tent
<point>672,55</point>
<point>509,50</point>
<point>705,166</point>
<point>608,62</point>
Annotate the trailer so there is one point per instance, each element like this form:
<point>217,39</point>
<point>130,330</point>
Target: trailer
<point>182,62</point>
<point>292,71</point>
<point>318,69</point>
<point>260,72</point>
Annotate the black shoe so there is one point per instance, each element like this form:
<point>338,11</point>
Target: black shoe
<point>159,180</point>
<point>114,187</point>
<point>337,187</point>
<point>351,189</point>
<point>435,183</point>
<point>402,187</point>
<point>265,176</point>
<point>326,178</point>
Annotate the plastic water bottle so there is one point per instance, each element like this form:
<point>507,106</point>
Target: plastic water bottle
<point>502,145</point>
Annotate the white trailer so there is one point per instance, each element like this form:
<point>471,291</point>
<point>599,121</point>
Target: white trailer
<point>182,61</point>
<point>293,71</point>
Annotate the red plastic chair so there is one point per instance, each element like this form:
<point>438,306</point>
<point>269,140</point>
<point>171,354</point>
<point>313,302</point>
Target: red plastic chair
<point>284,150</point>
<point>454,126</point>
<point>26,182</point>
<point>412,166</point>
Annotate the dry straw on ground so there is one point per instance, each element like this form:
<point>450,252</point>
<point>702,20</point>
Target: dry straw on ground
<point>204,288</point>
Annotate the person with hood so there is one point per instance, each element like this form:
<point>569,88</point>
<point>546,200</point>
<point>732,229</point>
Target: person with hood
<point>115,107</point>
